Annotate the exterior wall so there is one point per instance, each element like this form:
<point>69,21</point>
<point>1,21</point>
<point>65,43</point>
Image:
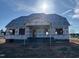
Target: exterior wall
<point>39,33</point>
<point>16,36</point>
<point>64,36</point>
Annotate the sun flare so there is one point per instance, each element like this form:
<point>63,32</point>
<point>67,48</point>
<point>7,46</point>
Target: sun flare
<point>44,7</point>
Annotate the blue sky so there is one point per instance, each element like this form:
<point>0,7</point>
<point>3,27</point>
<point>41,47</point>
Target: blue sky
<point>11,9</point>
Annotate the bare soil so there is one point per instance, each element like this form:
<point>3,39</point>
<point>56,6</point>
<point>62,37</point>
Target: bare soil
<point>56,50</point>
<point>74,40</point>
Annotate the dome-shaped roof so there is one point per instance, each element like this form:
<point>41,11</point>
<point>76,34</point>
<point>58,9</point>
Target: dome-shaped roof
<point>39,19</point>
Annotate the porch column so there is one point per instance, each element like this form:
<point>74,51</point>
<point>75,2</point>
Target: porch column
<point>50,33</point>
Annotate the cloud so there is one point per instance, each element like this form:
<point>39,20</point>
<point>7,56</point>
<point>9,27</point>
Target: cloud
<point>20,5</point>
<point>75,16</point>
<point>76,10</point>
<point>67,11</point>
<point>76,13</point>
<point>25,6</point>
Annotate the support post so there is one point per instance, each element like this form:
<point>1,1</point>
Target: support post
<point>50,34</point>
<point>24,42</point>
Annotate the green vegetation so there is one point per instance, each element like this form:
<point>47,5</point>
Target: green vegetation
<point>74,35</point>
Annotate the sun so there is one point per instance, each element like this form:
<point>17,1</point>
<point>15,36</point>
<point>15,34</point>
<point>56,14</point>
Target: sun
<point>44,7</point>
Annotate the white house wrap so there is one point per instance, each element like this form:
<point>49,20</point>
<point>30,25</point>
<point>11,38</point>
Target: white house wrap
<point>38,25</point>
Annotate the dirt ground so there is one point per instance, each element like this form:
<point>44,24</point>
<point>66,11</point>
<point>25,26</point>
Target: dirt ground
<point>56,50</point>
<point>74,40</point>
<point>14,50</point>
<point>2,40</point>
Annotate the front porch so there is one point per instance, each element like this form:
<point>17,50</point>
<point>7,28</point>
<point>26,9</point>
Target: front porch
<point>39,31</point>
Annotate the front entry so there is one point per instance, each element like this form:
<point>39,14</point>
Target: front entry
<point>33,33</point>
<point>37,36</point>
<point>39,31</point>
